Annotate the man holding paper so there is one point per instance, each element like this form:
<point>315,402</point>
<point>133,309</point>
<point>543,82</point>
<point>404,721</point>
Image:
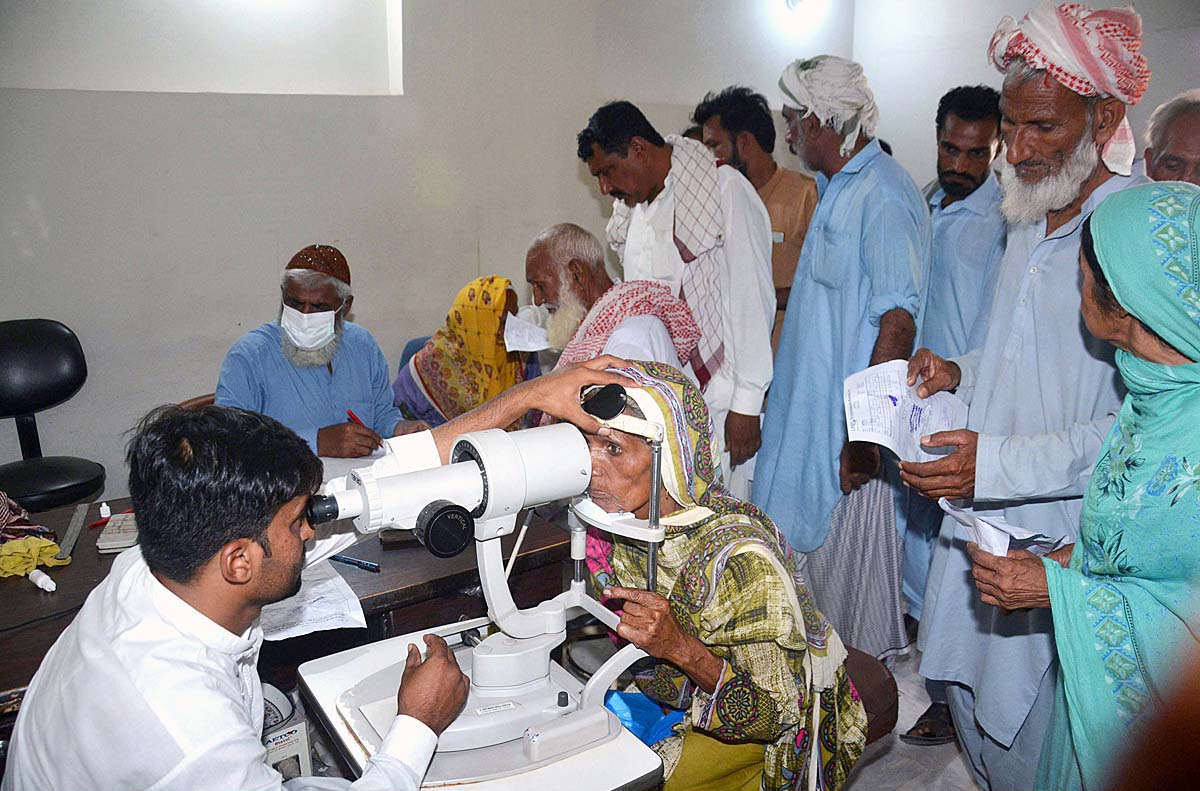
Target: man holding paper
<point>1042,391</point>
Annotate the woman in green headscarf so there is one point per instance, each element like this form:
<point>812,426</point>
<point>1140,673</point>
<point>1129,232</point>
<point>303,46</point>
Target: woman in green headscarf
<point>740,646</point>
<point>1125,605</point>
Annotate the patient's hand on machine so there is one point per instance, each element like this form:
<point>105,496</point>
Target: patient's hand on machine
<point>648,623</point>
<point>434,690</point>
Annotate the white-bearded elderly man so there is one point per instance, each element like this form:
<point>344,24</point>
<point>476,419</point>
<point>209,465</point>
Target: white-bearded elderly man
<point>1042,391</point>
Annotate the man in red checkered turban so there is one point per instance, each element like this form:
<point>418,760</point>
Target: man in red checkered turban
<point>1093,53</point>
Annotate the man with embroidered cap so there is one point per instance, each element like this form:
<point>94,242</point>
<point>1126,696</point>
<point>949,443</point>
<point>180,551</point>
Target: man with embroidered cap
<point>681,220</point>
<point>312,368</point>
<point>854,302</point>
<point>1042,391</point>
<point>590,315</point>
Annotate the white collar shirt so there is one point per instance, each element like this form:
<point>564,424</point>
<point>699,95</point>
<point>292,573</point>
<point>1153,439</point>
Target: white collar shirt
<point>144,691</point>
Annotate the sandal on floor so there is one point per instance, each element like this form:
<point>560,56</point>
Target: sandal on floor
<point>933,727</point>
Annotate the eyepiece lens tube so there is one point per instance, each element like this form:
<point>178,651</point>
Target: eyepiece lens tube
<point>321,509</point>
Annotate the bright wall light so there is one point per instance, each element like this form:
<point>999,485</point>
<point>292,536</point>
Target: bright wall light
<point>796,21</point>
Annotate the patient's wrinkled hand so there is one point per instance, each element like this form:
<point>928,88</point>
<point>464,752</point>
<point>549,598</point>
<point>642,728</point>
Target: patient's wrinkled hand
<point>434,690</point>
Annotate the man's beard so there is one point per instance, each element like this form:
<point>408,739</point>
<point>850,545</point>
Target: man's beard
<point>312,358</point>
<point>960,187</point>
<point>565,319</point>
<point>1031,202</point>
<point>736,161</point>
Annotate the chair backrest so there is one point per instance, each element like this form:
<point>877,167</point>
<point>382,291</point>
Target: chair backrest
<point>199,402</point>
<point>412,347</point>
<point>41,365</point>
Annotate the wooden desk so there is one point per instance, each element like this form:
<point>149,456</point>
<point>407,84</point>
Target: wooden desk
<point>413,591</point>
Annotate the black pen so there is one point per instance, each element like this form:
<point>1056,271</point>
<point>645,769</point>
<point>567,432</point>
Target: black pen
<point>356,562</point>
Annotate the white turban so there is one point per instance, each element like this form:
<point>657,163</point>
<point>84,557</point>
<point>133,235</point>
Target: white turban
<point>836,91</point>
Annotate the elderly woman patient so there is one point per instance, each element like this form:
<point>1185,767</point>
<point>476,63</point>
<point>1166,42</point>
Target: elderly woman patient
<point>739,643</point>
<point>1124,596</point>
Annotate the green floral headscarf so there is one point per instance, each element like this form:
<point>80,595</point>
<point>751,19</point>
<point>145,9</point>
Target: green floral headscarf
<point>1147,243</point>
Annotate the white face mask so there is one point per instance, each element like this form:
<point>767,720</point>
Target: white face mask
<point>308,331</point>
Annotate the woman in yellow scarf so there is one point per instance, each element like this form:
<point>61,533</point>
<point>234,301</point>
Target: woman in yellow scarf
<point>465,362</point>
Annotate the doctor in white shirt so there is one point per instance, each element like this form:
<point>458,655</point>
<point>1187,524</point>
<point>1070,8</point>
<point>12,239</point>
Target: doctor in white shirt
<point>155,685</point>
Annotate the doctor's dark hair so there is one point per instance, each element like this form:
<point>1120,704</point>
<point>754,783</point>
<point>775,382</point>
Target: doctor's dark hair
<point>739,110</point>
<point>612,127</point>
<point>200,478</point>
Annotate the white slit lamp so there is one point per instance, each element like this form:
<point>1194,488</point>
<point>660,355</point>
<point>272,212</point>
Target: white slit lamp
<point>526,719</point>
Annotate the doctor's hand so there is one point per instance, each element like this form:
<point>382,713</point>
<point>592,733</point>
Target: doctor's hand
<point>743,437</point>
<point>951,476</point>
<point>935,373</point>
<point>434,690</point>
<point>557,393</point>
<point>346,440</point>
<point>860,463</point>
<point>1016,582</point>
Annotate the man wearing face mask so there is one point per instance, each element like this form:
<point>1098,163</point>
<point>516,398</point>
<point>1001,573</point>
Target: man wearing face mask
<point>312,369</point>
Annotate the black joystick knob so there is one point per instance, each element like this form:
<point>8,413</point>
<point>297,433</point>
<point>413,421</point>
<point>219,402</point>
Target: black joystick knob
<point>444,528</point>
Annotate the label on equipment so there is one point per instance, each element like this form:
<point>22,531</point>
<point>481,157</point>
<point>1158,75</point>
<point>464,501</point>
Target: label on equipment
<point>495,708</point>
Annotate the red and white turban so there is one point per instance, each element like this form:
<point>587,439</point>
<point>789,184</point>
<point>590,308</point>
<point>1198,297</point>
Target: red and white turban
<point>1090,52</point>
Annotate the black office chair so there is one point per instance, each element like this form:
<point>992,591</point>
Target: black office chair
<point>42,365</point>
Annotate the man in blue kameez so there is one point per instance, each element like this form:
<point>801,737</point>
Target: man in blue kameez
<point>968,243</point>
<point>321,376</point>
<point>854,303</point>
<point>1042,391</point>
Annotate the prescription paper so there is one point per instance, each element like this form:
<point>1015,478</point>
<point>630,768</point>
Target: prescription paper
<point>882,408</point>
<point>521,335</point>
<point>325,601</point>
<point>994,534</point>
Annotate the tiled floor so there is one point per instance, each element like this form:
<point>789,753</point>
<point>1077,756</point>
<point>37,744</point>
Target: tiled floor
<point>891,764</point>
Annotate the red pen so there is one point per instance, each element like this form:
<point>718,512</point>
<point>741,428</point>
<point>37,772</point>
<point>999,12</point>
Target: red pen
<point>354,417</point>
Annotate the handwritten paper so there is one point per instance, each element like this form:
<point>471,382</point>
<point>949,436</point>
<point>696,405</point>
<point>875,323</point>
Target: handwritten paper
<point>882,408</point>
<point>521,335</point>
<point>324,601</point>
<point>994,534</point>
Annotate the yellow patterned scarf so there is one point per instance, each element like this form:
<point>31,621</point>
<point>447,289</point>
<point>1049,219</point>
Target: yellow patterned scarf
<point>466,363</point>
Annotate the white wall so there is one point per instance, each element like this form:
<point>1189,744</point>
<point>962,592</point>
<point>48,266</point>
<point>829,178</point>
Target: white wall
<point>156,224</point>
<point>226,46</point>
<point>913,52</point>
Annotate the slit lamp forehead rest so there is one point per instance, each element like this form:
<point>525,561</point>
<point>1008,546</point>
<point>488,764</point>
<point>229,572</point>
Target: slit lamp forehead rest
<point>608,403</point>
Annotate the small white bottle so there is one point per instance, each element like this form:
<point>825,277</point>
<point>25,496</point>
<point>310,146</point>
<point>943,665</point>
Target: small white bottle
<point>42,580</point>
<point>105,511</point>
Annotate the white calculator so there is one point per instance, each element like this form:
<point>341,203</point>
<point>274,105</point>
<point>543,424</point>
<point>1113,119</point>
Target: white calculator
<point>120,533</point>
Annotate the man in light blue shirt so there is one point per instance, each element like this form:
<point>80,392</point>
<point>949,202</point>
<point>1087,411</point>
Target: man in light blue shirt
<point>1042,391</point>
<point>318,374</point>
<point>853,303</point>
<point>968,244</point>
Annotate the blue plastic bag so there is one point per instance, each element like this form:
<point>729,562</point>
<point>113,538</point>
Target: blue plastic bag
<point>643,717</point>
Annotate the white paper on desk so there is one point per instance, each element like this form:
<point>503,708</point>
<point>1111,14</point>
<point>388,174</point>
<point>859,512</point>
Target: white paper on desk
<point>882,408</point>
<point>325,601</point>
<point>994,534</point>
<point>521,335</point>
<point>335,467</point>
